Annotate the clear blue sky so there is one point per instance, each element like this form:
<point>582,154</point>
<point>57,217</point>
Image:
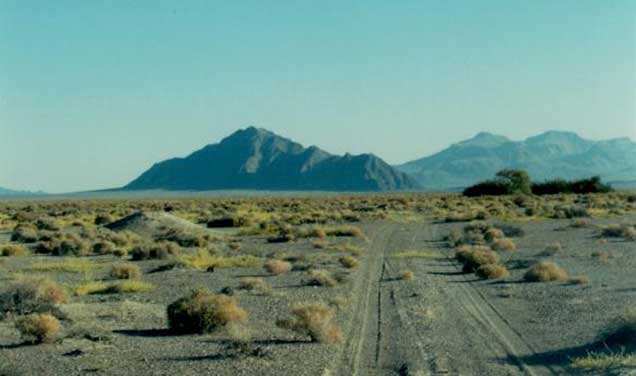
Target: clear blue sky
<point>94,92</point>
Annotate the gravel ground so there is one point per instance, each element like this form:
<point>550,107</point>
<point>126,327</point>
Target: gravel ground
<point>441,322</point>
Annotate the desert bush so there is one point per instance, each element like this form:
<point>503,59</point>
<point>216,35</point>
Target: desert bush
<point>492,234</point>
<point>254,284</point>
<point>511,231</point>
<point>125,271</point>
<point>277,267</point>
<point>24,234</point>
<point>406,275</point>
<point>31,295</point>
<point>318,277</point>
<point>155,251</point>
<point>630,233</point>
<point>545,272</point>
<point>63,245</point>
<point>204,312</point>
<point>474,257</point>
<point>104,247</point>
<point>46,223</point>
<point>570,211</point>
<point>103,219</point>
<point>581,222</point>
<point>348,262</point>
<point>38,327</point>
<point>315,320</point>
<point>503,244</point>
<point>12,250</point>
<point>492,271</point>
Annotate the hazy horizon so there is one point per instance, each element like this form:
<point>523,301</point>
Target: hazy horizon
<point>92,94</point>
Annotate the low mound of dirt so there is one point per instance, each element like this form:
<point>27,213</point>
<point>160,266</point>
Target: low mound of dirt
<point>152,224</point>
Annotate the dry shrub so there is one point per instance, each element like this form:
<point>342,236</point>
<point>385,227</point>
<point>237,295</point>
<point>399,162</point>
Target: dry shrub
<point>204,312</point>
<point>38,327</point>
<point>545,272</point>
<point>621,332</point>
<point>125,270</point>
<point>104,247</point>
<point>504,244</point>
<point>235,246</point>
<point>254,284</point>
<point>348,262</point>
<point>103,219</point>
<point>346,230</point>
<point>46,223</point>
<point>493,233</point>
<point>406,275</point>
<point>12,250</point>
<point>277,267</point>
<point>492,271</point>
<point>581,222</point>
<point>315,320</point>
<point>474,257</point>
<point>320,244</point>
<point>318,277</point>
<point>63,245</point>
<point>157,251</point>
<point>630,233</point>
<point>24,233</point>
<point>31,295</point>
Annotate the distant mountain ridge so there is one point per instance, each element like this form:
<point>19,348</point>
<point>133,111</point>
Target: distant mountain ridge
<point>254,158</point>
<point>553,154</point>
<point>5,192</point>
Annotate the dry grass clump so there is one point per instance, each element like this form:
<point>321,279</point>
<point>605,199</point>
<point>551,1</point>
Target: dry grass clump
<point>185,238</point>
<point>345,230</point>
<point>349,262</point>
<point>493,233</point>
<point>418,254</point>
<point>156,251</point>
<point>406,275</point>
<point>545,272</point>
<point>255,284</point>
<point>277,267</point>
<point>472,257</point>
<point>315,320</point>
<point>31,295</point>
<point>68,244</point>
<point>617,231</point>
<point>602,256</point>
<point>12,250</point>
<point>204,312</point>
<point>25,233</point>
<point>125,270</point>
<point>503,244</point>
<point>100,287</point>
<point>318,277</point>
<point>581,223</point>
<point>38,327</point>
<point>48,224</point>
<point>492,271</point>
<point>207,261</point>
<point>104,247</point>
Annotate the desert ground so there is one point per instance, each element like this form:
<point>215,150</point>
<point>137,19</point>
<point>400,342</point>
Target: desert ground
<point>410,284</point>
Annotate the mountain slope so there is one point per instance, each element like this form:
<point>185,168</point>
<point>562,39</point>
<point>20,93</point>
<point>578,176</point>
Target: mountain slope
<point>257,159</point>
<point>549,155</point>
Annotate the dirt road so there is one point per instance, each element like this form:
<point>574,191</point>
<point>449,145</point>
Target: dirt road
<point>435,324</point>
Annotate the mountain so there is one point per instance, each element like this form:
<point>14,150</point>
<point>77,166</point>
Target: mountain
<point>5,192</point>
<point>257,159</point>
<point>549,155</point>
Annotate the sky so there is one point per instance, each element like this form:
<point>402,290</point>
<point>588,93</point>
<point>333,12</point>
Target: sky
<point>92,93</point>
